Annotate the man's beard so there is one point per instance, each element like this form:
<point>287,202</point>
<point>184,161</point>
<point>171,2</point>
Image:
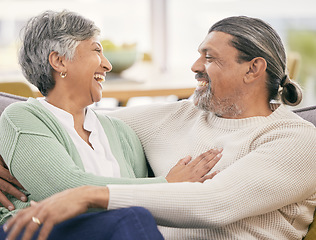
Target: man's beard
<point>206,101</point>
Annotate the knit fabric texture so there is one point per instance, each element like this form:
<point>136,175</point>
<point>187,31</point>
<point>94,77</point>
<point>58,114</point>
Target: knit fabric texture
<point>41,155</point>
<point>266,185</point>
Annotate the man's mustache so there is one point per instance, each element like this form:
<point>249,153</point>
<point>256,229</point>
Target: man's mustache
<point>199,75</point>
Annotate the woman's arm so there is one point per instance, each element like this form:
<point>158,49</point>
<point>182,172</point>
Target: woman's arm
<point>57,208</point>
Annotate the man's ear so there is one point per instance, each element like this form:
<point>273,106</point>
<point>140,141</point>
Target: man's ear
<point>57,62</point>
<point>257,69</point>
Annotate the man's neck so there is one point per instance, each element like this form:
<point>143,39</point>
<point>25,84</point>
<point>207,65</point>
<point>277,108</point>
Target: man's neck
<point>250,110</point>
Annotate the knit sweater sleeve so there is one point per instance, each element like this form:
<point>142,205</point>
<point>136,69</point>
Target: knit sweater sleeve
<point>43,159</point>
<point>144,117</point>
<point>131,148</point>
<point>278,171</point>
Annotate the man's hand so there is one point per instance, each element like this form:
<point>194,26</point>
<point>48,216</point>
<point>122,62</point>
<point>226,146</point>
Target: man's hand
<point>195,171</point>
<point>6,181</point>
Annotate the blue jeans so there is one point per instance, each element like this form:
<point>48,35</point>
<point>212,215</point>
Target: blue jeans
<point>126,223</point>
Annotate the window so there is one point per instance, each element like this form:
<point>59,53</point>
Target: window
<point>169,30</point>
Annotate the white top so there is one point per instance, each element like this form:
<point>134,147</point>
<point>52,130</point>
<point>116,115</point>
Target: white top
<point>98,160</point>
<point>266,188</point>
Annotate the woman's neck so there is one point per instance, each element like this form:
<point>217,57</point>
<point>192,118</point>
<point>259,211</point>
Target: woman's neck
<point>78,113</point>
<point>68,104</point>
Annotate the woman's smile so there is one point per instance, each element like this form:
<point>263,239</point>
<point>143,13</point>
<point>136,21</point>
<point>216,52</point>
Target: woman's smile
<point>100,78</point>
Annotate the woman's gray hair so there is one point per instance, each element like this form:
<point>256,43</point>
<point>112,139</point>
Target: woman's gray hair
<point>47,32</point>
<point>254,38</point>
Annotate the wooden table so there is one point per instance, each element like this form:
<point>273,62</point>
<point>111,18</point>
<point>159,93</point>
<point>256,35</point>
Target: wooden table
<point>123,89</point>
<point>124,93</point>
<point>140,83</point>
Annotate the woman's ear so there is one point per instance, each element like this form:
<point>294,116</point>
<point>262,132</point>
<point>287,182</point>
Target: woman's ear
<point>57,62</point>
<point>257,69</point>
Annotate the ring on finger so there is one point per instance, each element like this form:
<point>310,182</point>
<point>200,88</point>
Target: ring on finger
<point>36,220</point>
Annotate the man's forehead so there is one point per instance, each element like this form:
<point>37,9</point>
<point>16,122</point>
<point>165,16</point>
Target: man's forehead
<point>214,41</point>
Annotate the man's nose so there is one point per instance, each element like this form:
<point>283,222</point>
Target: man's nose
<point>198,66</point>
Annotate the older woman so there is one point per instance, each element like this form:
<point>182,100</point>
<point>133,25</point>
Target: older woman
<point>57,138</point>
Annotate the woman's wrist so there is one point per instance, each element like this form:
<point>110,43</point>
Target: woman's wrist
<point>96,196</point>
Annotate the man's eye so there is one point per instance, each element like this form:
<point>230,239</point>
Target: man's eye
<point>98,50</point>
<point>209,58</point>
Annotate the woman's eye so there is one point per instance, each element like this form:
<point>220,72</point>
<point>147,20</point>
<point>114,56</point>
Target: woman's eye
<point>98,50</point>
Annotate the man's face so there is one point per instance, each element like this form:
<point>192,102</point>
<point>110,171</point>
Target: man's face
<point>220,77</point>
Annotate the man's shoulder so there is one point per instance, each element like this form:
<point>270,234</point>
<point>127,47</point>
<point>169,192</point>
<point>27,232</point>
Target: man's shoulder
<point>285,124</point>
<point>163,106</point>
<point>289,118</point>
<point>110,122</point>
<point>106,120</point>
<point>154,111</point>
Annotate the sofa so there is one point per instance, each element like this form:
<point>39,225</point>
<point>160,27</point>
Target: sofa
<point>308,113</point>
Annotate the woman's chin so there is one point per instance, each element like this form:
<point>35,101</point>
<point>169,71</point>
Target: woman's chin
<point>96,100</point>
<point>96,95</point>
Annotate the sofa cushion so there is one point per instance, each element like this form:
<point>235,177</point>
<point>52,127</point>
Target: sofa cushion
<point>311,234</point>
<point>308,113</point>
<point>6,99</point>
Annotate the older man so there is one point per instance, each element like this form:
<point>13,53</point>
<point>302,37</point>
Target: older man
<point>266,185</point>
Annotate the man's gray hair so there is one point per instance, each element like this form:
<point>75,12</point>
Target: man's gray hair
<point>253,38</point>
<point>47,32</point>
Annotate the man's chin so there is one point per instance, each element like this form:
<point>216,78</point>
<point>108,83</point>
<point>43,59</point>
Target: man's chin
<point>199,98</point>
<point>195,101</point>
<point>200,105</point>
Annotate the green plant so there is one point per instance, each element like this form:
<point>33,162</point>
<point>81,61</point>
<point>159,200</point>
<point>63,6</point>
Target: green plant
<point>304,42</point>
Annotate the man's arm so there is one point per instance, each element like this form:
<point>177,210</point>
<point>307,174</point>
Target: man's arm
<point>7,185</point>
<point>279,172</point>
<point>43,165</point>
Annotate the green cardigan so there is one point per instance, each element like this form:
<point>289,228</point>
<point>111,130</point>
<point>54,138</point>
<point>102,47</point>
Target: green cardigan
<point>41,155</point>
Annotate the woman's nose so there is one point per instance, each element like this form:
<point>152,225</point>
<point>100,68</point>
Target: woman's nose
<point>106,64</point>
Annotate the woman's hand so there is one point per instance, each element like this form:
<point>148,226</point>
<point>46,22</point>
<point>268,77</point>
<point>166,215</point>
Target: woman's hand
<point>195,171</point>
<point>55,209</point>
<point>6,181</point>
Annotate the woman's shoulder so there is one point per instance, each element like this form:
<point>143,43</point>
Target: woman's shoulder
<point>15,106</point>
<point>23,109</point>
<point>17,109</point>
<point>30,115</point>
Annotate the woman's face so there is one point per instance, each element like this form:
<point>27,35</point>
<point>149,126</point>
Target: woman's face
<point>87,71</point>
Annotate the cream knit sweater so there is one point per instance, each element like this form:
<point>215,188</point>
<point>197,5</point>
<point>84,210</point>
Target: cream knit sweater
<point>266,187</point>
